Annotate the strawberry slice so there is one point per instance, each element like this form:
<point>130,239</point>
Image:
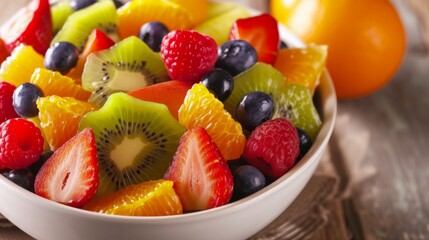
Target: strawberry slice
<point>4,53</point>
<point>261,32</point>
<point>32,25</point>
<point>97,41</point>
<point>200,173</point>
<point>70,175</point>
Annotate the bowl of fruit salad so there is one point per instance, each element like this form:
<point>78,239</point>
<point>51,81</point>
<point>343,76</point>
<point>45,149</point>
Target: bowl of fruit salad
<point>156,119</point>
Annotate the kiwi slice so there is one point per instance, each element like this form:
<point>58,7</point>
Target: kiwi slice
<point>128,65</point>
<point>101,15</point>
<point>292,101</point>
<point>60,11</point>
<point>135,140</point>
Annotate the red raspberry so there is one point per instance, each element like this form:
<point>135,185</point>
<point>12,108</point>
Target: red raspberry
<point>273,147</point>
<point>21,143</point>
<point>6,108</point>
<point>188,55</point>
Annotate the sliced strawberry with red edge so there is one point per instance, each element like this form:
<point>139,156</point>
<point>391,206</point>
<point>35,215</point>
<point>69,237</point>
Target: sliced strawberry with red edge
<point>200,174</point>
<point>261,32</point>
<point>32,25</point>
<point>70,175</point>
<point>4,53</point>
<point>97,41</point>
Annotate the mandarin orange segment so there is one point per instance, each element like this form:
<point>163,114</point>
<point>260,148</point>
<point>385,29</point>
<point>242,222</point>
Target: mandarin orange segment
<point>152,198</point>
<point>134,14</point>
<point>202,109</point>
<point>197,9</point>
<point>60,118</point>
<point>302,66</point>
<point>18,67</point>
<point>53,83</point>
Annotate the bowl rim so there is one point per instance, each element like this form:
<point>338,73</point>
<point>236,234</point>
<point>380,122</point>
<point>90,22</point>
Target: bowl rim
<point>329,111</point>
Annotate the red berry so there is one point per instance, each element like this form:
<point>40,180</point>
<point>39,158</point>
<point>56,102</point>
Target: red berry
<point>21,143</point>
<point>70,175</point>
<point>200,173</point>
<point>6,108</point>
<point>188,55</point>
<point>273,147</point>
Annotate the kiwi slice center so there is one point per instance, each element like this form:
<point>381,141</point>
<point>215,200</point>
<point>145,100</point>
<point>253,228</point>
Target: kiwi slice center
<point>126,77</point>
<point>125,153</point>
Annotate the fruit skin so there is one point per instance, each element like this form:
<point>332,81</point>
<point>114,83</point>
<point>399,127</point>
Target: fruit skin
<point>171,93</point>
<point>22,177</point>
<point>70,175</point>
<point>236,56</point>
<point>150,198</point>
<point>200,173</point>
<point>359,39</point>
<point>61,57</point>
<point>4,53</point>
<point>261,32</point>
<point>247,180</point>
<point>273,147</point>
<point>305,143</point>
<point>254,109</point>
<point>21,143</point>
<point>188,55</point>
<point>219,82</point>
<point>79,4</point>
<point>24,100</point>
<point>32,25</point>
<point>6,111</point>
<point>152,34</point>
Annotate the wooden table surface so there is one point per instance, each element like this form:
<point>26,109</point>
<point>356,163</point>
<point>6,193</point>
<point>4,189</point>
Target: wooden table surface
<point>380,145</point>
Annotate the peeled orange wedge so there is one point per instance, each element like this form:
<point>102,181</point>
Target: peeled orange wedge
<point>152,198</point>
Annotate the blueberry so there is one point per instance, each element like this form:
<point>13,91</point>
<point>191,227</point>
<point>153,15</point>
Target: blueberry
<point>247,180</point>
<point>283,45</point>
<point>235,163</point>
<point>35,167</point>
<point>80,4</point>
<point>236,56</point>
<point>304,143</point>
<point>152,33</point>
<point>61,57</point>
<point>24,100</point>
<point>255,108</point>
<point>118,3</point>
<point>22,177</point>
<point>219,82</point>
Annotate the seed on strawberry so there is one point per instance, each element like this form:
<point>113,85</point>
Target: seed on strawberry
<point>200,173</point>
<point>273,147</point>
<point>70,175</point>
<point>6,111</point>
<point>188,55</point>
<point>21,143</point>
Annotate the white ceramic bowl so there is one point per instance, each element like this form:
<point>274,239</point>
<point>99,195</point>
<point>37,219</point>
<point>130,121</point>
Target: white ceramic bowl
<point>44,219</point>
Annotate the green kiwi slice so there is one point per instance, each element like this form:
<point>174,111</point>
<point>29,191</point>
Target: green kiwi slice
<point>129,65</point>
<point>76,29</point>
<point>60,11</point>
<point>135,139</point>
<point>292,101</point>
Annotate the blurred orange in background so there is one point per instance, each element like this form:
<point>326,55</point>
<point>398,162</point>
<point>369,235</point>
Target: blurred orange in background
<point>365,38</point>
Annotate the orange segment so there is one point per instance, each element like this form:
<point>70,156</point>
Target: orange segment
<point>60,118</point>
<point>134,14</point>
<point>302,66</point>
<point>53,83</point>
<point>18,67</point>
<point>197,9</point>
<point>202,109</point>
<point>152,198</point>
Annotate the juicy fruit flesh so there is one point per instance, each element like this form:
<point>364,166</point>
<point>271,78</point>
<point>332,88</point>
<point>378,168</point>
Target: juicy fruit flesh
<point>124,154</point>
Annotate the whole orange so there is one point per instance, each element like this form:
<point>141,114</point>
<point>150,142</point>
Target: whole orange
<point>365,38</point>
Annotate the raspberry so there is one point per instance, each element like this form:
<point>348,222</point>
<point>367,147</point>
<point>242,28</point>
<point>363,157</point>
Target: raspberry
<point>21,143</point>
<point>273,147</point>
<point>6,109</point>
<point>188,55</point>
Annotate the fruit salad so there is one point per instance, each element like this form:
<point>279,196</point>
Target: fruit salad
<point>152,108</point>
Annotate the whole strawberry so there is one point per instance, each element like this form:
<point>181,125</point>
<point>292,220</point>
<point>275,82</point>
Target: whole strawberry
<point>21,143</point>
<point>188,55</point>
<point>6,108</point>
<point>273,147</point>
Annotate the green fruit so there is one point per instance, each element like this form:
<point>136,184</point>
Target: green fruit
<point>291,101</point>
<point>218,26</point>
<point>135,140</point>
<point>60,11</point>
<point>127,66</point>
<point>101,15</point>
